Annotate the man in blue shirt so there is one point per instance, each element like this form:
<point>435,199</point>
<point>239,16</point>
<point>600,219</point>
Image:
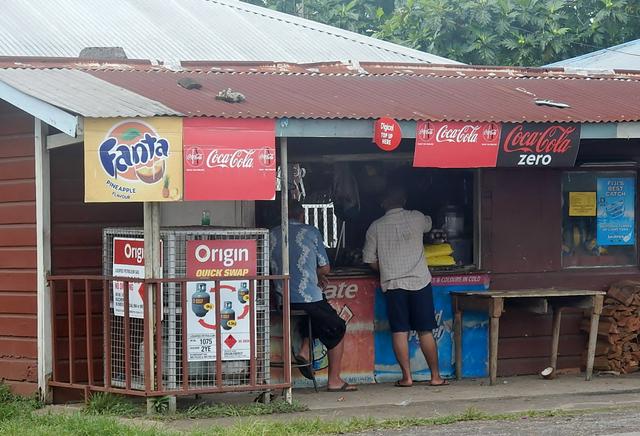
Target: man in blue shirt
<point>309,266</point>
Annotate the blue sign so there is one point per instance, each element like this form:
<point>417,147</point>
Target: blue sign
<point>475,335</point>
<point>616,211</point>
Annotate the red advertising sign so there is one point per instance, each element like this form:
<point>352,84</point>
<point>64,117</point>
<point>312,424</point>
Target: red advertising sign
<point>456,144</point>
<point>208,261</point>
<point>222,258</point>
<point>387,134</point>
<point>539,145</point>
<point>229,159</point>
<point>128,261</point>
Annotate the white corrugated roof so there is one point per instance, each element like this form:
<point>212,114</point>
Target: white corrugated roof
<point>81,93</point>
<point>182,30</point>
<point>620,57</point>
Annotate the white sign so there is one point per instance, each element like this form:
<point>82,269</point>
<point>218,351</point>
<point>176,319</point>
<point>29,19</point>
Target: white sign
<point>234,323</point>
<point>128,261</point>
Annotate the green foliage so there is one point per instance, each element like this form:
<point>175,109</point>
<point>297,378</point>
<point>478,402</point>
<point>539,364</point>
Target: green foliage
<point>254,409</point>
<point>74,424</point>
<point>355,425</point>
<point>104,403</point>
<point>14,406</point>
<point>492,32</point>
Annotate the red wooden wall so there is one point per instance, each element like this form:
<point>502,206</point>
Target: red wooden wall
<point>76,245</point>
<point>18,307</point>
<point>521,248</point>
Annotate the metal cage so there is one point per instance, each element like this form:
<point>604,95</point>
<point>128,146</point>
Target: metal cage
<point>201,375</point>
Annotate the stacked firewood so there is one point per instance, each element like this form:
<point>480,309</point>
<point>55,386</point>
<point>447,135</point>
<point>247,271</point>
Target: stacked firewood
<point>618,346</point>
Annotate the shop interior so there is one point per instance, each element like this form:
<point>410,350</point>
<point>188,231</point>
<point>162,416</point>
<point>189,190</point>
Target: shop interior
<point>341,182</point>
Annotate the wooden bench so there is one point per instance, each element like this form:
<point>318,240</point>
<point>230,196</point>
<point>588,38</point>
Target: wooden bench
<point>540,301</point>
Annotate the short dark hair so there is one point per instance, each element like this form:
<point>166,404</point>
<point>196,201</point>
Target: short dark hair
<point>395,195</point>
<point>295,209</point>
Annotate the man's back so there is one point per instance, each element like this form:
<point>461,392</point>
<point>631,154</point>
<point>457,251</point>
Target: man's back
<point>306,255</point>
<point>395,243</point>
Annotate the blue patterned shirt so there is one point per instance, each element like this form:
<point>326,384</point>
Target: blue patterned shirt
<point>306,255</point>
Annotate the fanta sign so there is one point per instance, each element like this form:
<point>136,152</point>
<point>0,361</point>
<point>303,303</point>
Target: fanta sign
<point>138,160</point>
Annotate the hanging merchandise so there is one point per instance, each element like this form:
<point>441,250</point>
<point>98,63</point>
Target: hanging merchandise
<point>345,192</point>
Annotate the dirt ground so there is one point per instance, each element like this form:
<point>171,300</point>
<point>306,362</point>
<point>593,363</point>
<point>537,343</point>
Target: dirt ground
<point>623,422</point>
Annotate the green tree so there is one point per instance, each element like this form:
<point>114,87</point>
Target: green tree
<point>491,32</point>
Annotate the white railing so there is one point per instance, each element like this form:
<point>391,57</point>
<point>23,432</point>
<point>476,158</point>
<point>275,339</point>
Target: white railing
<point>322,217</point>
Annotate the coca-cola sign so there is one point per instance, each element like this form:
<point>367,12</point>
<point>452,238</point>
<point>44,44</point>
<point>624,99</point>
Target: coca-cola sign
<point>539,145</point>
<point>229,159</point>
<point>456,144</point>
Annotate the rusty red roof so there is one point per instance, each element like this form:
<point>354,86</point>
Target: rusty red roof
<point>372,90</point>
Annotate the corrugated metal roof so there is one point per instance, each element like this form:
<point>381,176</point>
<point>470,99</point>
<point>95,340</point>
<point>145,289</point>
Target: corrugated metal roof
<point>176,30</point>
<point>335,91</point>
<point>81,93</point>
<point>401,96</point>
<point>624,56</point>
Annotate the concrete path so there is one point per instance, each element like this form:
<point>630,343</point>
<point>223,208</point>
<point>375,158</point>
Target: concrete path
<point>514,394</point>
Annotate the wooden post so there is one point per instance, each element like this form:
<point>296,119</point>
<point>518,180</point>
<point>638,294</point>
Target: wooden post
<point>593,333</point>
<point>555,339</point>
<point>497,305</point>
<point>284,198</point>
<point>152,270</point>
<point>457,328</point>
<point>43,261</point>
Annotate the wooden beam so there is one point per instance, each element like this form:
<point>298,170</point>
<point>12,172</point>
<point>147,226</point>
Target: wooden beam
<point>62,139</point>
<point>43,259</point>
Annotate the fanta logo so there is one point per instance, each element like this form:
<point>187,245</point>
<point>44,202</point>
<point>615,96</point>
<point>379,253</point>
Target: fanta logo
<point>133,151</point>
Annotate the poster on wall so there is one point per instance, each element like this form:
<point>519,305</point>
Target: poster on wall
<point>211,260</point>
<point>616,211</point>
<point>128,261</point>
<point>133,160</point>
<point>456,144</point>
<point>475,362</point>
<point>582,204</point>
<point>539,145</point>
<point>352,299</point>
<point>229,159</point>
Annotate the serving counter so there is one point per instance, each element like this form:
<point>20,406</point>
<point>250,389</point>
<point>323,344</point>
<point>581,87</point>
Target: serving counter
<point>356,295</point>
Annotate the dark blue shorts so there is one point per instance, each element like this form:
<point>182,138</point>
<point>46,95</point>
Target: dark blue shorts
<point>411,310</point>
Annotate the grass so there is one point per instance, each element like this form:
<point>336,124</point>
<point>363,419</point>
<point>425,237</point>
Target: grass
<point>103,403</point>
<point>19,416</point>
<point>104,414</point>
<point>239,410</point>
<point>355,425</point>
<point>116,405</point>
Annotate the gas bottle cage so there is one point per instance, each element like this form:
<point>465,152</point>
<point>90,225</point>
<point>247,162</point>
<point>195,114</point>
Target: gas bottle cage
<point>101,345</point>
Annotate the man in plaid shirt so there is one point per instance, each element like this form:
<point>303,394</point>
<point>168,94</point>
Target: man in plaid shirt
<point>394,247</point>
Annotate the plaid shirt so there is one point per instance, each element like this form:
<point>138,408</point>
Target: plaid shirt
<point>395,242</point>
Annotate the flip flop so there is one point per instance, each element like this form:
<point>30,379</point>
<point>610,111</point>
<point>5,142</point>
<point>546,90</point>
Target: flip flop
<point>304,370</point>
<point>400,385</point>
<point>444,383</point>
<point>346,387</point>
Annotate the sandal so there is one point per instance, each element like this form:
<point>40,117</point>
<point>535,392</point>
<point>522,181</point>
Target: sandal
<point>304,367</point>
<point>435,385</point>
<point>346,387</point>
<point>402,385</point>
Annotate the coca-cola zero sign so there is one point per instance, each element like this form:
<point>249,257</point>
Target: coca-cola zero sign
<point>456,144</point>
<point>229,159</point>
<point>539,145</point>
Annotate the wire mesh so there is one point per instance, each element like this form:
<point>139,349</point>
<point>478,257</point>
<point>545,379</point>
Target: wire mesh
<point>178,373</point>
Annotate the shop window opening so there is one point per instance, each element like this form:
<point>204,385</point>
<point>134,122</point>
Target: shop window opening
<point>341,194</point>
<point>599,219</point>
